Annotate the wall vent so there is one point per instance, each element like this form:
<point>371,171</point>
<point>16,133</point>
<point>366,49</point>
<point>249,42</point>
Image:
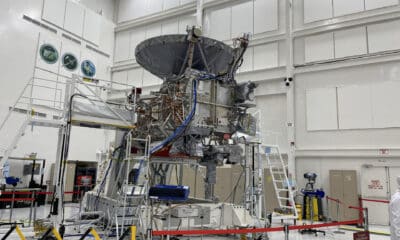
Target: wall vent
<point>38,23</point>
<point>71,38</point>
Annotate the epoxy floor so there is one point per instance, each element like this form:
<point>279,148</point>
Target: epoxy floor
<point>22,215</point>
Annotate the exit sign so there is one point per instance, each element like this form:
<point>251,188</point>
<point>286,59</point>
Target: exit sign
<point>361,235</point>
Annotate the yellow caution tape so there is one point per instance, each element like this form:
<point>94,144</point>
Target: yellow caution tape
<point>361,229</point>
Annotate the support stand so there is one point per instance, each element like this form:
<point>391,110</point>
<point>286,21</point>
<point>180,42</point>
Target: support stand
<point>311,209</point>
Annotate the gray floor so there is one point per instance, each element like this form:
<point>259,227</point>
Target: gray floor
<point>22,215</point>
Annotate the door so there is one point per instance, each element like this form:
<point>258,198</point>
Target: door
<point>336,192</point>
<point>374,186</point>
<point>343,186</point>
<point>350,194</point>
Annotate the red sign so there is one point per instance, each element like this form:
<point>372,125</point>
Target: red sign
<point>375,184</point>
<point>84,180</point>
<point>361,235</point>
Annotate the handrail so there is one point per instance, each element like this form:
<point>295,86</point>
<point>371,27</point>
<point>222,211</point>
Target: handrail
<point>14,106</point>
<point>104,102</point>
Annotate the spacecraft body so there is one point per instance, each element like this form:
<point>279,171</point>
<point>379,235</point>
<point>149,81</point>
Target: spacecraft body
<point>199,106</point>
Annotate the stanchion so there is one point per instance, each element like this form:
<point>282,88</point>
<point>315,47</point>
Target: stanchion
<point>286,230</point>
<point>363,234</point>
<point>12,203</point>
<point>337,202</point>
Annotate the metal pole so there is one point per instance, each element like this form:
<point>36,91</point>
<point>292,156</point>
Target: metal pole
<point>31,208</point>
<point>9,232</point>
<point>366,221</point>
<point>290,90</point>
<point>199,14</point>
<point>34,211</point>
<point>12,204</point>
<point>286,230</point>
<point>169,220</point>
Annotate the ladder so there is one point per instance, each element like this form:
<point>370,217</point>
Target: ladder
<point>133,194</point>
<point>280,181</point>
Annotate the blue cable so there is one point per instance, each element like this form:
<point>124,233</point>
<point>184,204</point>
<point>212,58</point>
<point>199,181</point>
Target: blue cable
<point>188,118</point>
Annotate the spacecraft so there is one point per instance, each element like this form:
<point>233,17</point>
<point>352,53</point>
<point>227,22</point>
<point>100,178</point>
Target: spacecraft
<point>200,113</point>
<point>200,105</point>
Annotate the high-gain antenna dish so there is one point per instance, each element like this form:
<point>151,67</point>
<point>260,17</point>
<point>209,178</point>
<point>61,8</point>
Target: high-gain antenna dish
<point>166,56</point>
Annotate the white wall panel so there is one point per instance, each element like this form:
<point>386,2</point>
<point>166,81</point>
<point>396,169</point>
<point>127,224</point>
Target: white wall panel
<point>265,15</point>
<point>247,64</point>
<point>372,4</point>
<point>170,27</point>
<point>318,47</point>
<point>131,9</point>
<point>186,1</point>
<point>119,78</point>
<point>343,7</point>
<point>105,7</point>
<point>384,36</point>
<point>315,10</point>
<point>273,124</point>
<point>91,28</point>
<point>135,77</point>
<point>90,139</point>
<point>220,26</point>
<point>106,42</point>
<point>74,15</point>
<point>282,48</point>
<point>354,105</point>
<point>103,67</point>
<point>54,11</point>
<point>185,22</point>
<point>242,19</point>
<point>350,42</point>
<point>385,99</point>
<point>321,109</point>
<point>154,6</point>
<point>149,79</point>
<point>44,95</point>
<point>153,30</point>
<point>266,56</point>
<point>137,36</point>
<point>168,4</point>
<point>122,46</point>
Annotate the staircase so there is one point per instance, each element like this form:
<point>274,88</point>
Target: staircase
<point>45,102</point>
<point>282,186</point>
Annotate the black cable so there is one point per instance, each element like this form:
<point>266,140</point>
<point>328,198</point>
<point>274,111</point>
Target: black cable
<point>65,151</point>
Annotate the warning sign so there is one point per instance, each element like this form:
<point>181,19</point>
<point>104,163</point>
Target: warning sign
<point>375,184</point>
<point>361,235</point>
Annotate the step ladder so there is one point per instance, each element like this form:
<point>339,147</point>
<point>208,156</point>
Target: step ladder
<point>280,181</point>
<point>132,195</point>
